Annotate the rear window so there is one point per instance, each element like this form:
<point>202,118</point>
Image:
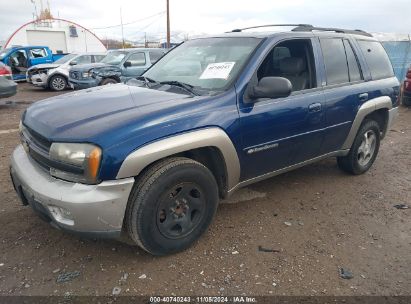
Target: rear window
<point>377,59</point>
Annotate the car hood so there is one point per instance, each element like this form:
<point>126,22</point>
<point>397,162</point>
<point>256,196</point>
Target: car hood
<point>44,66</point>
<point>89,66</point>
<point>89,115</point>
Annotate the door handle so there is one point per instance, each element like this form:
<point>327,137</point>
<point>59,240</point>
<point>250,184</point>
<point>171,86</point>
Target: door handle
<point>314,107</point>
<point>363,97</point>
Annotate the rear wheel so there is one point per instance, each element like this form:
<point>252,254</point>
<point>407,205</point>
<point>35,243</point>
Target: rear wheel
<point>364,149</point>
<point>58,83</point>
<point>108,81</point>
<point>171,206</point>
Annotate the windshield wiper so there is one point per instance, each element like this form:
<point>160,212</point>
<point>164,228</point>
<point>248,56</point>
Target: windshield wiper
<point>188,87</point>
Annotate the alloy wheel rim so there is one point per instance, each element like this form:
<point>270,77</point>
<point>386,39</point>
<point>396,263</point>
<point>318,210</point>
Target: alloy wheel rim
<point>58,83</point>
<point>181,210</point>
<point>366,149</point>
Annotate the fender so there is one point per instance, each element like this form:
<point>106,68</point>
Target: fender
<point>209,137</point>
<point>383,102</point>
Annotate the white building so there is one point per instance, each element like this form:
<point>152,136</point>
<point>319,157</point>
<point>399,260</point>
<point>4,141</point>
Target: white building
<point>61,36</point>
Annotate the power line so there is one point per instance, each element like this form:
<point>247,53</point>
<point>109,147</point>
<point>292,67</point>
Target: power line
<point>128,23</point>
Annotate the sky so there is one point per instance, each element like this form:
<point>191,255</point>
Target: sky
<point>193,17</point>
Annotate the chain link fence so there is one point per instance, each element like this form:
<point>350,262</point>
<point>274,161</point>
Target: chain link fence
<point>398,48</point>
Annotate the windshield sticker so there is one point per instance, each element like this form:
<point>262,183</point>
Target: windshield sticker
<point>218,70</point>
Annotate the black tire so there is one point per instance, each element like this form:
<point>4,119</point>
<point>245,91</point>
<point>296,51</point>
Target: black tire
<point>171,205</point>
<point>108,81</point>
<point>357,162</point>
<point>58,83</point>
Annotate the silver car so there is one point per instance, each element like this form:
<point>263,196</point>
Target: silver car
<point>55,75</point>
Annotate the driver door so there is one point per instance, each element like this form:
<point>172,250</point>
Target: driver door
<point>281,132</point>
<point>18,61</point>
<point>135,65</point>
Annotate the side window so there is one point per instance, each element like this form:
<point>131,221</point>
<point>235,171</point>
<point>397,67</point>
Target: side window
<point>98,58</point>
<point>377,59</point>
<point>353,67</point>
<point>335,61</point>
<point>291,59</point>
<point>83,59</point>
<point>155,56</point>
<point>38,53</point>
<point>137,59</point>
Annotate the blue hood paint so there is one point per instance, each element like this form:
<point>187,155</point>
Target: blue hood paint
<point>120,118</point>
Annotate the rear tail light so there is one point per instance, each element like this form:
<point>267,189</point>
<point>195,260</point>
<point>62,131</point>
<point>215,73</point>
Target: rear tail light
<point>5,71</point>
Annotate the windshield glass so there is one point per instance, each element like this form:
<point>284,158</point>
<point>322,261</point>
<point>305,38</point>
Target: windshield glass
<point>4,52</point>
<point>65,58</point>
<point>114,58</point>
<point>209,63</point>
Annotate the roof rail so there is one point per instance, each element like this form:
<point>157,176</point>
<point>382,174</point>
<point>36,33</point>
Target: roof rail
<point>271,25</point>
<point>310,28</point>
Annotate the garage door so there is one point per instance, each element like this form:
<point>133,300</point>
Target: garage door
<point>56,41</point>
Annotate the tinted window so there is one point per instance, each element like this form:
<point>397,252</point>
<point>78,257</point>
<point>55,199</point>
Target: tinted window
<point>353,68</point>
<point>154,56</point>
<point>377,59</point>
<point>335,61</point>
<point>137,59</point>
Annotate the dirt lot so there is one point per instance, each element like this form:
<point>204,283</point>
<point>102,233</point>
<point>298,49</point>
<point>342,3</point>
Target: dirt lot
<point>332,220</point>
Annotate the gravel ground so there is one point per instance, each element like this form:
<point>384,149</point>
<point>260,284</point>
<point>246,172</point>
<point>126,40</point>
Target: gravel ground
<point>316,219</point>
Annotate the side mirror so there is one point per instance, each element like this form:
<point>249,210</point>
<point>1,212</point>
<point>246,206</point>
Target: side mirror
<point>127,64</point>
<point>73,63</point>
<point>271,87</point>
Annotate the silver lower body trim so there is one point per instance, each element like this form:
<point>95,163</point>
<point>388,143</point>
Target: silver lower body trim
<point>286,169</point>
<point>71,206</point>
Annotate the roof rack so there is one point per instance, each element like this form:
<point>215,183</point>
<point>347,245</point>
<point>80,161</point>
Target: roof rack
<point>310,28</point>
<point>270,25</point>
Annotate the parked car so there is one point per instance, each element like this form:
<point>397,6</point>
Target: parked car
<point>8,87</point>
<point>215,114</point>
<point>55,75</point>
<point>23,57</point>
<point>117,66</point>
<point>406,89</point>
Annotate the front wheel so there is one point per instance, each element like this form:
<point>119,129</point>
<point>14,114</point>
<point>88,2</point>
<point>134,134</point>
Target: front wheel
<point>171,205</point>
<point>108,81</point>
<point>364,149</point>
<point>58,83</point>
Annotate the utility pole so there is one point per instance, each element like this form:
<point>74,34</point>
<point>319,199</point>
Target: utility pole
<point>168,24</point>
<point>122,30</point>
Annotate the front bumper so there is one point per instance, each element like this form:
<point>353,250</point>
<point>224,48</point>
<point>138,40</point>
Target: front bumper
<point>90,210</point>
<point>83,84</point>
<point>38,80</point>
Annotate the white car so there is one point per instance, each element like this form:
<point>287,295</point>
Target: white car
<point>55,75</point>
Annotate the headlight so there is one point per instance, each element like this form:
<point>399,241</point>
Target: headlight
<point>86,74</point>
<point>76,162</point>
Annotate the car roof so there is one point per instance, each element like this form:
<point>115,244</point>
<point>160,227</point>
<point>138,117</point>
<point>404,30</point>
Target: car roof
<point>300,30</point>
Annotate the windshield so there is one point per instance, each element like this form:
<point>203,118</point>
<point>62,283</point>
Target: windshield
<point>4,52</point>
<point>65,58</point>
<point>114,58</point>
<point>209,63</point>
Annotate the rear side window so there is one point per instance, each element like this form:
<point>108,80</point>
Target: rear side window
<point>335,61</point>
<point>353,68</point>
<point>377,59</point>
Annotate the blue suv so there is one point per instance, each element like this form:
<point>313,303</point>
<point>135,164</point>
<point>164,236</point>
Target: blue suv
<point>152,158</point>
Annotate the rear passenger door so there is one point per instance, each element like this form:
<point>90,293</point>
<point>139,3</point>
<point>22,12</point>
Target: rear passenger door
<point>344,90</point>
